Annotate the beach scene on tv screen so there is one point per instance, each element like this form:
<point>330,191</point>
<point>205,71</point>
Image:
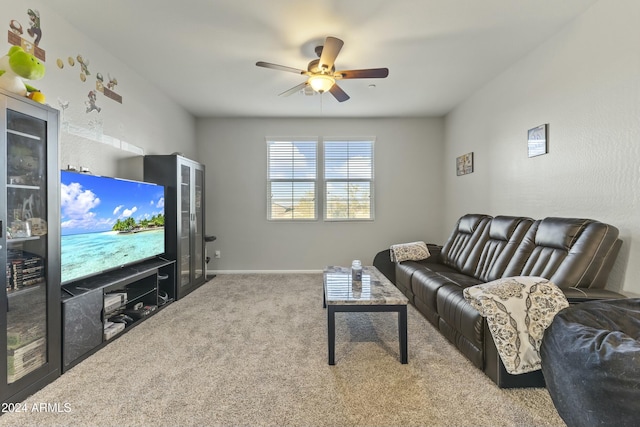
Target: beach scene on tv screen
<point>107,223</point>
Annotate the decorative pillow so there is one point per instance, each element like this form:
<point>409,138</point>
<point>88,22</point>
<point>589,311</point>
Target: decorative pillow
<point>414,251</point>
<point>518,310</point>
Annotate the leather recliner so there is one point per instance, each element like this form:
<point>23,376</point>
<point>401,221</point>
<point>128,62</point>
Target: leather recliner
<point>575,254</point>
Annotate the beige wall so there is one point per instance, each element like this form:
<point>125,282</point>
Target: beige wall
<point>408,193</point>
<point>585,83</point>
<point>146,121</point>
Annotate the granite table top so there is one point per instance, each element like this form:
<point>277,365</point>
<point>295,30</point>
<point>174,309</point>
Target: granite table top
<point>374,289</point>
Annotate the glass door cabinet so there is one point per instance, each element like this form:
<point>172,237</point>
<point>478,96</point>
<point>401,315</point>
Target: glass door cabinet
<point>29,246</point>
<point>184,216</point>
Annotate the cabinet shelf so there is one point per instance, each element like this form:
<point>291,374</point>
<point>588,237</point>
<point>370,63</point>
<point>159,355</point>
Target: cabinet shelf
<point>22,239</point>
<point>26,135</point>
<point>133,294</point>
<point>23,291</point>
<point>24,187</point>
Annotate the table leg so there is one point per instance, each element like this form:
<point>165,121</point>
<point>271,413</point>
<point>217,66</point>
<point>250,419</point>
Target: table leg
<point>402,331</point>
<point>331,332</point>
<point>324,297</point>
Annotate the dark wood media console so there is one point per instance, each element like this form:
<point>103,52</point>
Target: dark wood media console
<point>98,309</point>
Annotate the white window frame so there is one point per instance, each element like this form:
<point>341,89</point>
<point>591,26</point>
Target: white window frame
<point>313,180</point>
<point>348,180</point>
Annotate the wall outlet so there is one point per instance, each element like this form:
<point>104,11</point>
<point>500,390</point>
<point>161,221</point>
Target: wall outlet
<point>216,254</point>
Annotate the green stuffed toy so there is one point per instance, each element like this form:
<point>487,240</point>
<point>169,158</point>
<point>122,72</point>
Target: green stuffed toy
<point>18,65</point>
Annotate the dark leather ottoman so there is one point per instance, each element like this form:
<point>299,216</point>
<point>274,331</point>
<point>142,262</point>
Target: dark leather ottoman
<point>591,363</point>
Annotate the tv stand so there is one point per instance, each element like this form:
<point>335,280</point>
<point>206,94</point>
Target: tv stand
<point>100,308</point>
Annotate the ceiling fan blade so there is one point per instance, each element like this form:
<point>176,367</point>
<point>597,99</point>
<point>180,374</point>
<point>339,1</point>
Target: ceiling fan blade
<point>370,73</point>
<point>338,93</point>
<point>294,89</point>
<point>280,67</point>
<point>330,51</point>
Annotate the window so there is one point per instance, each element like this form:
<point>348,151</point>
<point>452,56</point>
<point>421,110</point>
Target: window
<point>348,179</point>
<point>291,179</point>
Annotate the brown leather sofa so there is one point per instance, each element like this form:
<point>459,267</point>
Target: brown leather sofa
<point>575,254</point>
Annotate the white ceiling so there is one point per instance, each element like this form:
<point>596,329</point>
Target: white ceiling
<point>202,53</point>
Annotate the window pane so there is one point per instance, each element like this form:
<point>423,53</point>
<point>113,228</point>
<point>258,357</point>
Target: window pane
<point>348,200</point>
<point>280,169</point>
<point>337,200</point>
<point>348,160</point>
<point>291,200</point>
<point>360,200</point>
<point>348,174</point>
<point>292,174</point>
<point>292,159</point>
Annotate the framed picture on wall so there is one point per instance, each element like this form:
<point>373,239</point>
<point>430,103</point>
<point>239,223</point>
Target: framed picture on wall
<point>464,164</point>
<point>537,140</point>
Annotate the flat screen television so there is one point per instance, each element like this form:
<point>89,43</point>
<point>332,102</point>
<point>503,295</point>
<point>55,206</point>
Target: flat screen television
<point>108,223</point>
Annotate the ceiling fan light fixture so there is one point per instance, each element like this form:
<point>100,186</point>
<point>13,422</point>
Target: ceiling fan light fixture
<point>321,82</point>
<point>322,75</point>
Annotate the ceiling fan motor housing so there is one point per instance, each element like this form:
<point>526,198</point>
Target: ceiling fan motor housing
<point>314,68</point>
<point>323,78</point>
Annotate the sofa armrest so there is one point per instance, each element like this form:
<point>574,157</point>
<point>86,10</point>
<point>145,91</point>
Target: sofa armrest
<point>578,295</point>
<point>435,251</point>
<point>382,261</point>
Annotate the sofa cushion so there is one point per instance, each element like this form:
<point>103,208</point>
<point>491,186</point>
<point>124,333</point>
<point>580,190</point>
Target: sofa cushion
<point>559,233</point>
<point>579,258</point>
<point>460,323</point>
<point>502,227</point>
<point>469,223</point>
<point>403,273</point>
<point>424,286</point>
<point>405,270</point>
<point>470,230</point>
<point>426,282</point>
<point>505,234</point>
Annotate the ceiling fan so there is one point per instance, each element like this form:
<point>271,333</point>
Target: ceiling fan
<point>322,72</point>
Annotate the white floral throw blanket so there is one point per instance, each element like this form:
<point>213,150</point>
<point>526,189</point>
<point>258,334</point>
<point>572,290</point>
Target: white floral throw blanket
<point>414,251</point>
<point>518,310</point>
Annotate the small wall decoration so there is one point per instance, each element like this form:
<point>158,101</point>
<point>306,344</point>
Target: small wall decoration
<point>91,102</point>
<point>84,67</point>
<point>537,140</point>
<point>106,88</point>
<point>464,164</point>
<point>17,37</point>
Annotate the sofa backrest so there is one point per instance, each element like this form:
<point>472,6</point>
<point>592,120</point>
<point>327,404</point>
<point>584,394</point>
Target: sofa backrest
<point>570,252</point>
<point>505,233</point>
<point>466,235</point>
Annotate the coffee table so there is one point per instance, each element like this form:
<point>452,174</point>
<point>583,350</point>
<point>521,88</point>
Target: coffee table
<point>375,293</point>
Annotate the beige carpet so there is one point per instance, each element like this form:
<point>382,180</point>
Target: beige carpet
<point>251,350</point>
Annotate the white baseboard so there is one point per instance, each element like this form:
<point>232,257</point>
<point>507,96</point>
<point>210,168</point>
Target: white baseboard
<point>210,272</point>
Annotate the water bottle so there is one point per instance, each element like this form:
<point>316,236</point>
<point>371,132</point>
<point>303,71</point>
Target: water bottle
<point>356,271</point>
